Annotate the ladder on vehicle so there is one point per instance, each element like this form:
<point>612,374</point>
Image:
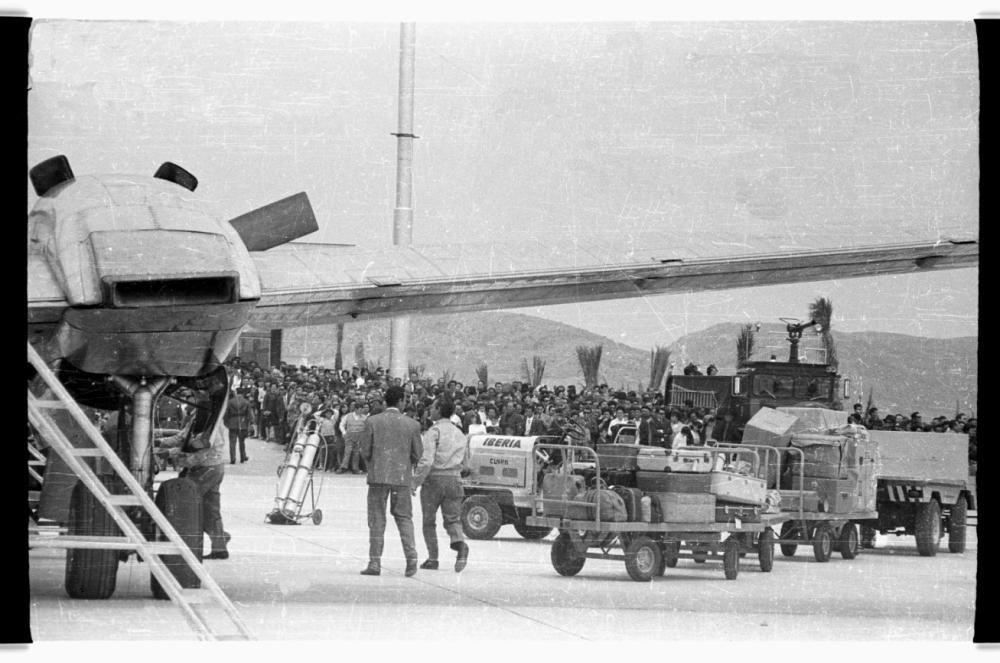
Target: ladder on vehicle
<point>193,602</point>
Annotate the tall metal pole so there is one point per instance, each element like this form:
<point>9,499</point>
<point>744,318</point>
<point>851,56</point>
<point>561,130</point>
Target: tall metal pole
<point>402,217</point>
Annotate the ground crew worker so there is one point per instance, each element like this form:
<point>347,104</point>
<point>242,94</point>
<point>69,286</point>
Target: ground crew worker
<point>445,456</point>
<point>200,452</point>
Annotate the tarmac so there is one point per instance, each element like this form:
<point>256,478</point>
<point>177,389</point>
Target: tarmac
<point>302,583</point>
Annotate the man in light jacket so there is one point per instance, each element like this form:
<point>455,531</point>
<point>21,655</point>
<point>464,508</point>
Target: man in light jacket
<point>391,447</point>
<point>446,453</point>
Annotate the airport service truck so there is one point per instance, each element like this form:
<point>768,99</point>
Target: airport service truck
<point>501,484</point>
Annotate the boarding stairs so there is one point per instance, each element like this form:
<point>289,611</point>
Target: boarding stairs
<point>207,609</point>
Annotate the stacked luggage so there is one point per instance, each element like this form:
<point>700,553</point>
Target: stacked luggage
<point>833,468</point>
<point>687,485</point>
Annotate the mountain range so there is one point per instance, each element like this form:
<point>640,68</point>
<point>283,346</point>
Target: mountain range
<point>902,373</point>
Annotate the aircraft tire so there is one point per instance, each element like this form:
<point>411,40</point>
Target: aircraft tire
<point>91,574</point>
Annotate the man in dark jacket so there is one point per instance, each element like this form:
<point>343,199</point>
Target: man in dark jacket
<point>237,419</point>
<point>274,414</point>
<point>391,447</point>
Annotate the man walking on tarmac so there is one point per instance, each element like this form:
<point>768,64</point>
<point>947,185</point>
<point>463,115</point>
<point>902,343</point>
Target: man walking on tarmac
<point>390,447</point>
<point>445,455</point>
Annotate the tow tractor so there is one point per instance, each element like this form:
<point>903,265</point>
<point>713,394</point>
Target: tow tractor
<point>684,526</point>
<point>500,487</point>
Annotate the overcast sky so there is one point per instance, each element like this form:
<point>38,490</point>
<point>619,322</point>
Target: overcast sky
<point>545,132</point>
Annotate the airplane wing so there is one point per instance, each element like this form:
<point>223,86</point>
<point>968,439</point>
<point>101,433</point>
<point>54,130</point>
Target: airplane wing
<point>308,284</point>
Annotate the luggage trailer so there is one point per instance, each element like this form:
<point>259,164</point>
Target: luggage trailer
<point>825,531</point>
<point>648,549</point>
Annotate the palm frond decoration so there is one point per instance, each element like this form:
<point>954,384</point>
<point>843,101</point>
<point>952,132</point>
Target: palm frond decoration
<point>359,354</point>
<point>533,374</point>
<point>821,311</point>
<point>745,343</point>
<point>659,359</point>
<point>590,363</point>
<point>483,374</point>
<point>416,368</point>
<point>372,366</point>
<point>448,376</point>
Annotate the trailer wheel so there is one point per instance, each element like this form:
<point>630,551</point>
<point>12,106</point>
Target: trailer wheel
<point>671,553</point>
<point>823,543</point>
<point>180,502</point>
<point>565,559</point>
<point>481,517</point>
<point>848,541</point>
<point>530,533</point>
<point>731,558</point>
<point>643,559</point>
<point>317,517</point>
<point>765,550</point>
<point>928,530</point>
<point>787,530</point>
<point>956,526</point>
<point>91,574</point>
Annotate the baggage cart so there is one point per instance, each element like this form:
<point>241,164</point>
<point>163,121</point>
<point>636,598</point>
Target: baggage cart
<point>827,528</point>
<point>647,548</point>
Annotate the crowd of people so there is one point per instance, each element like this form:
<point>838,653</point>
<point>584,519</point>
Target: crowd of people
<point>282,399</point>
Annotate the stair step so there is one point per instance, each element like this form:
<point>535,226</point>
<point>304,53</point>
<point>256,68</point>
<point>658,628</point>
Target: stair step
<point>52,405</point>
<point>80,541</point>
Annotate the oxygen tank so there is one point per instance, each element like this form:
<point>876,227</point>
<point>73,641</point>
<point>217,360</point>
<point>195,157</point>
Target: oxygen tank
<point>309,441</point>
<point>287,474</point>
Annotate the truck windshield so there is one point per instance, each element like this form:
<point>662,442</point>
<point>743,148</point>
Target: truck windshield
<point>812,389</point>
<point>772,386</point>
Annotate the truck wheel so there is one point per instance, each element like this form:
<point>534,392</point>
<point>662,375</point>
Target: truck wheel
<point>731,559</point>
<point>671,551</point>
<point>643,559</point>
<point>823,543</point>
<point>928,529</point>
<point>565,559</point>
<point>848,543</point>
<point>765,550</point>
<point>956,526</point>
<point>91,574</point>
<point>787,530</point>
<point>530,533</point>
<point>180,502</point>
<point>481,517</point>
<point>868,537</point>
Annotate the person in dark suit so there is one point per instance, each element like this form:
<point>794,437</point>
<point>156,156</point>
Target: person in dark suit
<point>650,430</point>
<point>237,419</point>
<point>535,425</point>
<point>391,447</point>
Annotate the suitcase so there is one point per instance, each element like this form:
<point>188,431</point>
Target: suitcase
<point>651,459</point>
<point>617,456</point>
<point>633,502</point>
<point>809,499</point>
<point>728,513</point>
<point>690,460</point>
<point>685,507</point>
<point>738,488</point>
<point>672,482</point>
